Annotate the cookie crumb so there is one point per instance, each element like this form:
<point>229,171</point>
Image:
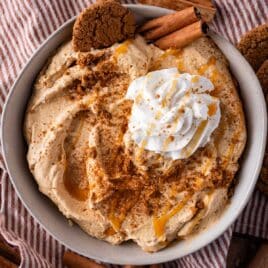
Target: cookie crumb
<point>101,25</point>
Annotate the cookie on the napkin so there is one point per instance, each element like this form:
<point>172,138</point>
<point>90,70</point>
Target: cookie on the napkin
<point>254,46</point>
<point>101,25</point>
<point>263,180</point>
<point>263,77</point>
<point>262,74</point>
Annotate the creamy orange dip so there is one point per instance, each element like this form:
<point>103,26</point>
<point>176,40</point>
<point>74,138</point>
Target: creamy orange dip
<point>83,157</point>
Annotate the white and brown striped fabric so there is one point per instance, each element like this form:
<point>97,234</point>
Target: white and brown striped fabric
<point>24,25</point>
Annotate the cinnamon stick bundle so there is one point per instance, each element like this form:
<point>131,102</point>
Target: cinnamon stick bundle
<point>183,37</point>
<point>206,7</point>
<point>164,25</point>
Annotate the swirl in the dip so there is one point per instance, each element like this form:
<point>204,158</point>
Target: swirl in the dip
<point>173,114</point>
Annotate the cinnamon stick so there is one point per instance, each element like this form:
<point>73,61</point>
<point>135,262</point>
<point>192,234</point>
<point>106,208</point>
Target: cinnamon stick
<point>73,260</point>
<point>183,36</point>
<point>164,25</point>
<point>10,253</point>
<point>206,7</point>
<point>261,258</point>
<point>5,263</point>
<point>202,2</point>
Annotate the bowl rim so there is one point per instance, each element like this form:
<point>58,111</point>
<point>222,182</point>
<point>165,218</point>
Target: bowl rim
<point>165,258</point>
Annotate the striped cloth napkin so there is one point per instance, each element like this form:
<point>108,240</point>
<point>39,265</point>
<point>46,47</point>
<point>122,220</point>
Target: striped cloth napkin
<point>24,25</point>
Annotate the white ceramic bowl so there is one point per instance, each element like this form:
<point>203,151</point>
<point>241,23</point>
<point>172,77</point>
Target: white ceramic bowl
<point>47,214</point>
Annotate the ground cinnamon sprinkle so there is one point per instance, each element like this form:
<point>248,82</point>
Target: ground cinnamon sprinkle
<point>90,59</point>
<point>126,184</point>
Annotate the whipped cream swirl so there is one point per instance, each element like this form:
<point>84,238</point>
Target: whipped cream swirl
<point>172,113</point>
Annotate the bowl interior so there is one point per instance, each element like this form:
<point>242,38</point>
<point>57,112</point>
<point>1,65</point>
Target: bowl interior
<point>14,151</point>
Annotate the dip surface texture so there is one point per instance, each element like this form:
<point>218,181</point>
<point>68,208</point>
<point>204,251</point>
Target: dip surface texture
<point>83,156</point>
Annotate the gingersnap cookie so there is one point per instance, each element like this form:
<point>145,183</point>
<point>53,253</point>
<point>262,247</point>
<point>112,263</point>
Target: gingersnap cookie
<point>263,77</point>
<point>262,74</point>
<point>254,46</point>
<point>263,180</point>
<point>101,25</point>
